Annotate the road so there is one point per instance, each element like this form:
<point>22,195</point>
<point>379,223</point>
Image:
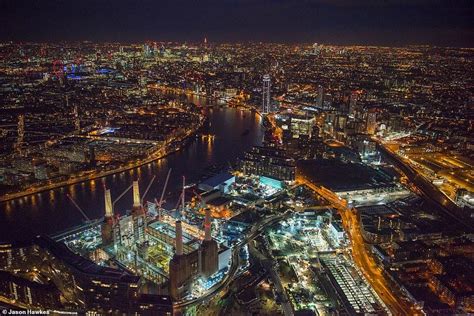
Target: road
<point>235,262</point>
<point>362,257</point>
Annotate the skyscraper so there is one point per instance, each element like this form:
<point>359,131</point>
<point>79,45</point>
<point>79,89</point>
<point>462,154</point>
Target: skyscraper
<point>352,103</point>
<point>320,99</point>
<point>266,104</point>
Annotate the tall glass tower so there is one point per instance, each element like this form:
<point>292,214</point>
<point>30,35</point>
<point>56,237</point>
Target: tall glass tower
<point>266,104</point>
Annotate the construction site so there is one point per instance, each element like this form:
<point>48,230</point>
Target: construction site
<point>182,251</point>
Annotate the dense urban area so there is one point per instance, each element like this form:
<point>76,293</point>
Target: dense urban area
<point>357,199</point>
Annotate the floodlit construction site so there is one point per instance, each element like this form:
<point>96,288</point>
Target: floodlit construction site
<point>183,251</point>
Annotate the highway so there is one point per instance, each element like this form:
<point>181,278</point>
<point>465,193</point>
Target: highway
<point>235,262</point>
<point>362,257</point>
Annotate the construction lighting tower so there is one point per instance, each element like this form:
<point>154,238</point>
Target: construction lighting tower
<point>266,101</point>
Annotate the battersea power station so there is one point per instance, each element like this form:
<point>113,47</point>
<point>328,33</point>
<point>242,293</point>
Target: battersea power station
<point>139,262</point>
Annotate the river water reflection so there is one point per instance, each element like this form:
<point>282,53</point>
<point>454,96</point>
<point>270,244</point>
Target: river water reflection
<point>51,211</point>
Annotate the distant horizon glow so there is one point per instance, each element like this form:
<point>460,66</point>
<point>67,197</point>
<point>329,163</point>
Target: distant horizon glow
<point>387,23</point>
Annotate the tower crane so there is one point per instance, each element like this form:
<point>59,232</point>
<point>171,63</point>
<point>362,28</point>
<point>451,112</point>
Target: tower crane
<point>147,189</point>
<point>159,203</point>
<point>79,208</point>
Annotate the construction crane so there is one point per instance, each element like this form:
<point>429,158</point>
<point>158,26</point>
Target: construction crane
<point>120,196</point>
<point>183,196</point>
<point>79,208</point>
<point>159,204</point>
<point>199,197</point>
<point>147,189</point>
<point>181,200</point>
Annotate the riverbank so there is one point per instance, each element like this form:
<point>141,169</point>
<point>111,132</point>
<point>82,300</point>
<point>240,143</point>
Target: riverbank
<point>167,149</point>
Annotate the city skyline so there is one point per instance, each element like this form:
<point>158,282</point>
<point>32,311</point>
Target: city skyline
<point>236,157</point>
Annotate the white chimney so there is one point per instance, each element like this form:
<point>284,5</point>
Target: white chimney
<point>136,194</point>
<point>109,212</point>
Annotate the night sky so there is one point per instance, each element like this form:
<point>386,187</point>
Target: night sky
<point>375,22</point>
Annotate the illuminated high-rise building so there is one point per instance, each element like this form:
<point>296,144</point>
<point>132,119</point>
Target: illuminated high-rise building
<point>320,99</point>
<point>352,103</point>
<point>147,50</point>
<point>266,101</point>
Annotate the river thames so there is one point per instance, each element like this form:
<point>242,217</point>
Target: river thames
<point>49,212</point>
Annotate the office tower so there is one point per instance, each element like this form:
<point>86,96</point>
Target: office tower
<point>352,103</point>
<point>266,103</point>
<point>320,99</point>
<point>147,50</point>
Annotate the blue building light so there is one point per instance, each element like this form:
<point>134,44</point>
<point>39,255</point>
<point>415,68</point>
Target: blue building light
<point>276,184</point>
